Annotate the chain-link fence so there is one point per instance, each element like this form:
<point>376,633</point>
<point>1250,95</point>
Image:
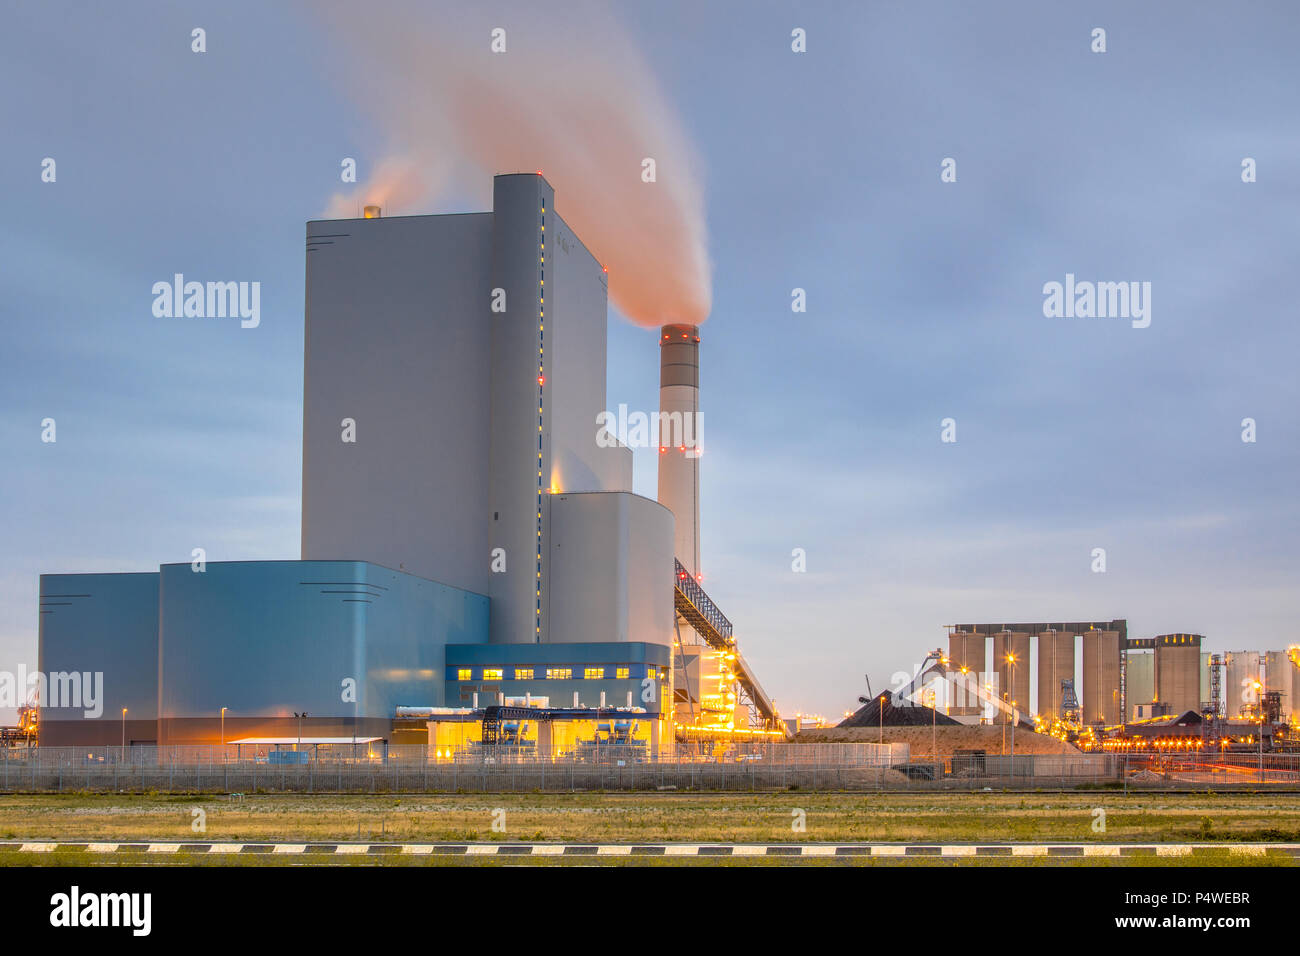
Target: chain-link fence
<point>363,768</point>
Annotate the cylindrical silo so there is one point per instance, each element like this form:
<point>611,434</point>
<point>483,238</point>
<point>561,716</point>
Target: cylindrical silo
<point>1140,682</point>
<point>1280,677</point>
<point>1207,690</point>
<point>1101,662</point>
<point>1055,664</point>
<point>1011,664</point>
<point>1178,671</point>
<point>1240,690</point>
<point>965,664</point>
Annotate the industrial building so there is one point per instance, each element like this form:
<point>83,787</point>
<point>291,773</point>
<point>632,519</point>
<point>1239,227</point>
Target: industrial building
<point>1102,691</point>
<point>1122,678</point>
<point>1251,676</point>
<point>470,540</point>
<point>1178,671</point>
<point>1018,647</point>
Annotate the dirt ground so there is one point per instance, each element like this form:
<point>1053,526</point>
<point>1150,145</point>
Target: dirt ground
<point>992,740</point>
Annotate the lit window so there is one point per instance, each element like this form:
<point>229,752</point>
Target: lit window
<point>650,672</point>
<point>559,673</point>
<point>464,674</point>
<point>622,673</point>
<point>492,673</point>
<point>593,673</point>
<point>523,673</point>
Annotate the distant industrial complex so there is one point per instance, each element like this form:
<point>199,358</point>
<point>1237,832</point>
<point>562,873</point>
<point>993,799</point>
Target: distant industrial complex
<point>1129,692</point>
<point>475,567</point>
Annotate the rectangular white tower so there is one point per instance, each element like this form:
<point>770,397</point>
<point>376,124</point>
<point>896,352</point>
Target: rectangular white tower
<point>454,374</point>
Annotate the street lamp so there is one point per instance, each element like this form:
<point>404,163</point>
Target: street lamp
<point>300,717</point>
<point>1011,659</point>
<point>934,728</point>
<point>1261,748</point>
<point>223,732</point>
<point>123,730</point>
<point>1259,702</point>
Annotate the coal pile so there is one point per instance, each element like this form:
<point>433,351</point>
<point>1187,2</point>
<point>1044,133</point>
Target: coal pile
<point>895,715</point>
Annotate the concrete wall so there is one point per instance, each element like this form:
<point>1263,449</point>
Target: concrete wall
<point>397,339</point>
<point>611,569</point>
<point>106,625</point>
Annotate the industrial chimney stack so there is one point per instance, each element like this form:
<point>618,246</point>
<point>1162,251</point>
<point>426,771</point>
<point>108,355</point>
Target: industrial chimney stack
<point>679,437</point>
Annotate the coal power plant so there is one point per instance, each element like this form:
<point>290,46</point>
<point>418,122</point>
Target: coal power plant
<point>476,572</point>
<point>475,568</point>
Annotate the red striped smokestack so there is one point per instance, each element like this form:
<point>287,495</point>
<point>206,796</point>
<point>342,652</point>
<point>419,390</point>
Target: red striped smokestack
<point>679,437</point>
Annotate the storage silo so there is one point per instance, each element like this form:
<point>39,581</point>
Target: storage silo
<point>965,650</point>
<point>1207,693</point>
<point>1055,664</point>
<point>1240,692</point>
<point>1280,677</point>
<point>1101,663</point>
<point>1011,664</point>
<point>1140,681</point>
<point>1178,671</point>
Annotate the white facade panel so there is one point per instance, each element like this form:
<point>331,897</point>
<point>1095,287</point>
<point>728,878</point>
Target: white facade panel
<point>469,418</point>
<point>577,296</point>
<point>611,569</point>
<point>397,342</point>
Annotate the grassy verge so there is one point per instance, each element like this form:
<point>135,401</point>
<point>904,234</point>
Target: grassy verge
<point>633,818</point>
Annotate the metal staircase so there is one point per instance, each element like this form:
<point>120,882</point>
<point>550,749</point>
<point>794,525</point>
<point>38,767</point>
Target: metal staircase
<point>698,610</point>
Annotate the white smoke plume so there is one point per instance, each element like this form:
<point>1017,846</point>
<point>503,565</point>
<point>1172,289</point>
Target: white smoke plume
<point>570,97</point>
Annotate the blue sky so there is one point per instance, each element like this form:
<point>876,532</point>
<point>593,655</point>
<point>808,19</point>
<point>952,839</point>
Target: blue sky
<point>821,171</point>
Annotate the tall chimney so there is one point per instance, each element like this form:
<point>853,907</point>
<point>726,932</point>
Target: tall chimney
<point>679,437</point>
